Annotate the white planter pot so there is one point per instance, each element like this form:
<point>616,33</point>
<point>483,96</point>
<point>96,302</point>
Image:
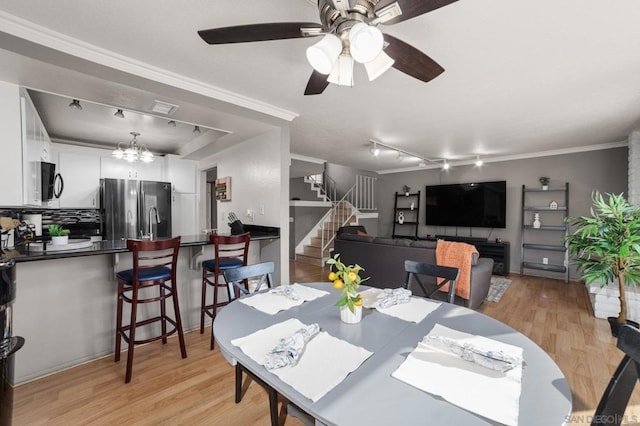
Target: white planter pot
<point>60,241</point>
<point>545,187</point>
<point>349,317</point>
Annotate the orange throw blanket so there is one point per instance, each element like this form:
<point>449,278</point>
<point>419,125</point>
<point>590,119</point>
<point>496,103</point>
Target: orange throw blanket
<point>457,255</point>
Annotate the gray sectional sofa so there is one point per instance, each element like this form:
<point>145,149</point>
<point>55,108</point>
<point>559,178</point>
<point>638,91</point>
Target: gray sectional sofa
<point>383,261</point>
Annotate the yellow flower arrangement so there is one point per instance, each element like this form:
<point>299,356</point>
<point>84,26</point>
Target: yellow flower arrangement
<point>347,279</point>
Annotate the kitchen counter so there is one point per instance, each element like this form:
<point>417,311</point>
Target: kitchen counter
<point>22,254</point>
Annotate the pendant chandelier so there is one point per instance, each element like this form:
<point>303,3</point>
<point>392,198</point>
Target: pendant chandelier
<point>134,152</point>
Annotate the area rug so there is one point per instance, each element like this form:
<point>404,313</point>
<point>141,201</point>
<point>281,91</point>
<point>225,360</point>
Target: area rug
<point>498,287</point>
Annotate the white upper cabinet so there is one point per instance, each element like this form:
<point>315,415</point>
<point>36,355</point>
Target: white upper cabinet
<point>81,174</point>
<point>182,174</point>
<point>116,168</point>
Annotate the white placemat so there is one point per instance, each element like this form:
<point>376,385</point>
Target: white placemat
<point>271,303</point>
<point>326,360</point>
<point>491,394</point>
<point>414,311</point>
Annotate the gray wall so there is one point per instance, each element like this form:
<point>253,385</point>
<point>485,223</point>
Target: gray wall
<point>604,170</point>
<point>345,177</point>
<point>301,190</point>
<point>304,219</point>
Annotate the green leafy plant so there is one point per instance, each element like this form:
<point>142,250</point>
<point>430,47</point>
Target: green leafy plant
<point>346,278</point>
<point>57,231</point>
<point>607,244</point>
<point>406,188</point>
<point>544,181</point>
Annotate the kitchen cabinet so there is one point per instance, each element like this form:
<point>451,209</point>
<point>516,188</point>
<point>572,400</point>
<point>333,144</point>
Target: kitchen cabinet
<point>115,168</point>
<point>81,174</point>
<point>182,174</point>
<point>184,218</point>
<point>35,149</point>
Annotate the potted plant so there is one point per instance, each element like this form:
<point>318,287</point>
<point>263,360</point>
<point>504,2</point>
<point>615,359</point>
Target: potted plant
<point>406,189</point>
<point>347,279</point>
<point>607,246</point>
<point>544,181</point>
<point>59,235</point>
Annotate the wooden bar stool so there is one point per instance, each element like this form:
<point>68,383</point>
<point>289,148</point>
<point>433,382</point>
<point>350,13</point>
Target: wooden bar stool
<point>231,251</point>
<point>154,263</point>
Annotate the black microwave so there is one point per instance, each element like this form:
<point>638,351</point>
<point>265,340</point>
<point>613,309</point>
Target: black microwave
<point>52,183</point>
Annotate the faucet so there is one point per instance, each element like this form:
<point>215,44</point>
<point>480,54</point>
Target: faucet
<point>151,211</point>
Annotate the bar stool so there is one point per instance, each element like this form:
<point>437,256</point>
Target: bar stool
<point>231,251</point>
<point>154,263</point>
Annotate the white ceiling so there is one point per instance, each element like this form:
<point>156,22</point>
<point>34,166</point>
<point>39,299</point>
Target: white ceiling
<point>522,76</point>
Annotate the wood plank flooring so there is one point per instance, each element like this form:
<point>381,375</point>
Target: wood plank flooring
<point>167,390</point>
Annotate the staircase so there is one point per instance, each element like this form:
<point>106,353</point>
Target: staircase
<point>343,213</point>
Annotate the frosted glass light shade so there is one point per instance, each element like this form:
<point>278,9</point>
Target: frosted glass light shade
<point>324,53</point>
<point>378,66</point>
<point>365,42</point>
<point>342,73</point>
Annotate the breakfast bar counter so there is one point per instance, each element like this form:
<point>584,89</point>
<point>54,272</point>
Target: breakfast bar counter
<point>66,300</point>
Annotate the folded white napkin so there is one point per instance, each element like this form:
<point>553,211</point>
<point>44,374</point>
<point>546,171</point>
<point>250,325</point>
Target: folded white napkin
<point>415,310</point>
<point>489,393</point>
<point>393,296</point>
<point>276,299</point>
<point>290,349</point>
<point>326,362</point>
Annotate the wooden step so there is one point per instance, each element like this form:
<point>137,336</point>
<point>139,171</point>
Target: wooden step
<point>315,251</point>
<point>309,259</point>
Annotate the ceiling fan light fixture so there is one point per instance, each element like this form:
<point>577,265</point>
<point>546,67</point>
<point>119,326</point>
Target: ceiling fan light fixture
<point>365,42</point>
<point>75,104</point>
<point>324,53</point>
<point>378,66</point>
<point>342,73</point>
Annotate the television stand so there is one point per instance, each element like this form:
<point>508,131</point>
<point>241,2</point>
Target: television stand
<point>499,252</point>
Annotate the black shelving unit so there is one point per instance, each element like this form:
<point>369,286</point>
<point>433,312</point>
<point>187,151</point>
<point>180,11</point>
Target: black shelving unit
<point>535,241</point>
<point>402,204</point>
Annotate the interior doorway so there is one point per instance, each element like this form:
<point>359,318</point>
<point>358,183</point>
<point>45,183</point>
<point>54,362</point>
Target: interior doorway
<point>212,205</point>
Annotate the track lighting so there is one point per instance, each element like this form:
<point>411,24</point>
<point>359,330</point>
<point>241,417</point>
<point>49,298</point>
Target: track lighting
<point>375,151</point>
<point>172,123</point>
<point>119,114</point>
<point>478,161</point>
<point>196,129</point>
<point>75,104</point>
<point>446,165</point>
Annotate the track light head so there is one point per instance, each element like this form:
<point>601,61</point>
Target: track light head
<point>196,129</point>
<point>478,161</point>
<point>375,151</point>
<point>75,104</point>
<point>446,165</point>
<point>119,114</point>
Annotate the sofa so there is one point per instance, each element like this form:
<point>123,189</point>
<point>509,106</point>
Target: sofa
<point>383,262</point>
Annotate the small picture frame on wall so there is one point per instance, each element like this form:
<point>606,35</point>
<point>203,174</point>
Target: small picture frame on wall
<point>223,188</point>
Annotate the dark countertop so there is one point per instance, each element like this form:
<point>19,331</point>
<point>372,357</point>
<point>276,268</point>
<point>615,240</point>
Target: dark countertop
<point>120,246</point>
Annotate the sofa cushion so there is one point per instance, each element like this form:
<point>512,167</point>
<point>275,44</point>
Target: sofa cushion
<point>424,244</point>
<point>393,242</point>
<point>356,237</point>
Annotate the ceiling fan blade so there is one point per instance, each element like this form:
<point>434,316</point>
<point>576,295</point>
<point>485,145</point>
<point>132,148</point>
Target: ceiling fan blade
<point>260,32</point>
<point>317,83</point>
<point>410,60</point>
<point>412,8</point>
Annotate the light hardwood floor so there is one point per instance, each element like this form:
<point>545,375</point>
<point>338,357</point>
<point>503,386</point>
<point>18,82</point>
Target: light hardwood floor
<point>167,390</point>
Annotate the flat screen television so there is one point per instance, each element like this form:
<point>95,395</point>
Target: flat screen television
<point>477,204</point>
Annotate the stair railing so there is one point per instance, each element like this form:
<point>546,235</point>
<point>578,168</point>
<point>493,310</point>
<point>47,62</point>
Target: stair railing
<point>339,215</point>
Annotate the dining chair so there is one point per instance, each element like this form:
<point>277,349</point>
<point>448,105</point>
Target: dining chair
<point>231,251</point>
<point>433,273</point>
<point>237,286</point>
<point>615,398</point>
<point>154,264</point>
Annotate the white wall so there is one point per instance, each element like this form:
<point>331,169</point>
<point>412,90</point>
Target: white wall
<point>259,171</point>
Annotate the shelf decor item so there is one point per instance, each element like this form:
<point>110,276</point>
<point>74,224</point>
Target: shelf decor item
<point>59,235</point>
<point>223,188</point>
<point>607,247</point>
<point>553,205</point>
<point>536,220</point>
<point>347,278</point>
<point>544,181</point>
<point>406,190</point>
<point>401,218</point>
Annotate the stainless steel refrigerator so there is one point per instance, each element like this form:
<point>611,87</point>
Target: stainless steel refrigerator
<point>128,206</point>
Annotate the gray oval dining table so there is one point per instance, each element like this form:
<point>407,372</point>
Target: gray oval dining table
<point>370,395</point>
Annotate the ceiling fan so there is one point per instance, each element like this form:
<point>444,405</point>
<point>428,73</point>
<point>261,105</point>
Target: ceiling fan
<point>350,33</point>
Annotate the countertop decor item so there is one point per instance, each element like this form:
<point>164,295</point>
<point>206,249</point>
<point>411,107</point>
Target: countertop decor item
<point>607,246</point>
<point>59,235</point>
<point>347,278</point>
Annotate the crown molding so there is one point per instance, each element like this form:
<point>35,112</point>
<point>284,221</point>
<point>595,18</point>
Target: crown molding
<point>40,35</point>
